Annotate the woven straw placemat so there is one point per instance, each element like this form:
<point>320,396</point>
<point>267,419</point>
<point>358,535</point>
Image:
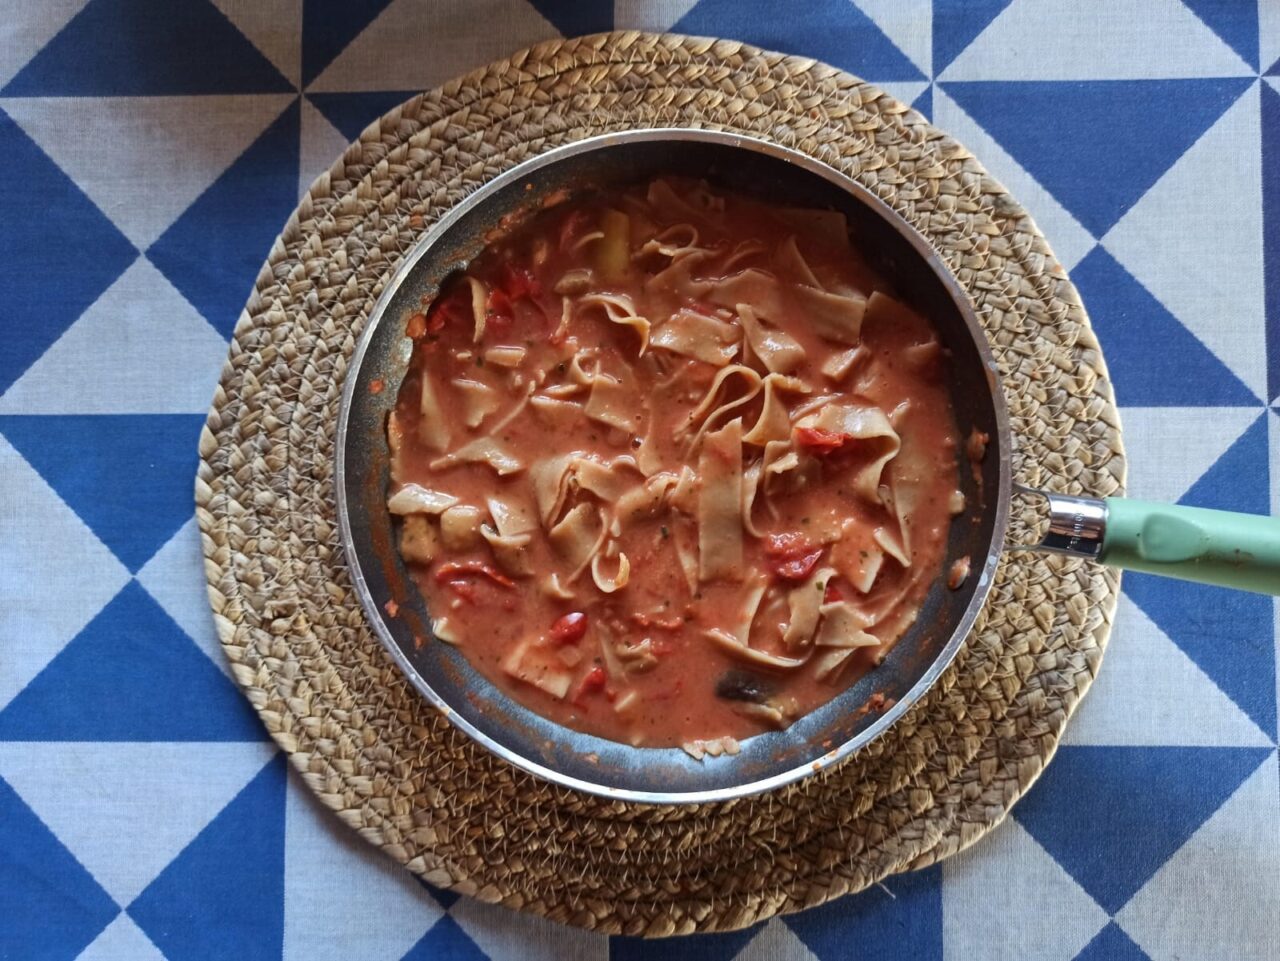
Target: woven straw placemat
<point>392,768</point>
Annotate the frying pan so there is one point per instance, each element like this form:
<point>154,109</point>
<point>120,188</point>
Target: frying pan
<point>1211,546</point>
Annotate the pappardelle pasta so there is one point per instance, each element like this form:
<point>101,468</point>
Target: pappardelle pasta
<point>672,466</point>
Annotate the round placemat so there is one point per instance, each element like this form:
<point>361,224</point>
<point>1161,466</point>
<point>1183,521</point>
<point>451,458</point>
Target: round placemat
<point>388,764</point>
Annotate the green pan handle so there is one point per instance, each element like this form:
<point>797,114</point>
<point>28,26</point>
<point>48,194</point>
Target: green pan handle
<point>1194,544</point>
<point>1191,543</point>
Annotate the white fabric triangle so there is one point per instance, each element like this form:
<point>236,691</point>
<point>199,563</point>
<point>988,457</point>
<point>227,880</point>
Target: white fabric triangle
<point>144,160</point>
<point>121,939</point>
<point>1009,876</point>
<point>44,600</point>
<point>1168,449</point>
<point>274,27</point>
<point>27,28</point>
<point>140,348</point>
<point>1219,895</point>
<point>909,24</point>
<point>91,795</point>
<point>1194,241</point>
<point>343,898</point>
<point>1268,35</point>
<point>419,44</point>
<point>1070,240</point>
<point>1150,693</point>
<point>655,15</point>
<point>1096,40</point>
<point>904,90</point>
<point>322,144</point>
<point>175,578</point>
<point>506,934</point>
<point>775,942</point>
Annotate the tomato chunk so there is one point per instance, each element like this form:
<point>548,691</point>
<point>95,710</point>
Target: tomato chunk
<point>819,441</point>
<point>569,628</point>
<point>592,683</point>
<point>451,571</point>
<point>519,282</point>
<point>792,556</point>
<point>832,593</point>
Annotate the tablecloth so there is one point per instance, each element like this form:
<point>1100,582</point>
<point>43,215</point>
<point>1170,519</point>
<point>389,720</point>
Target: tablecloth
<point>149,153</point>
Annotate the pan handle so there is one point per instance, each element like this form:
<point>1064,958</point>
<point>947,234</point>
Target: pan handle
<point>1190,543</point>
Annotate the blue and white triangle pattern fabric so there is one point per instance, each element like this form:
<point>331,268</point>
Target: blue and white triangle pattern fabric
<point>150,159</point>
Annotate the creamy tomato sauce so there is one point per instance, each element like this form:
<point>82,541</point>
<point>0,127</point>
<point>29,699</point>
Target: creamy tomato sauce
<point>672,466</point>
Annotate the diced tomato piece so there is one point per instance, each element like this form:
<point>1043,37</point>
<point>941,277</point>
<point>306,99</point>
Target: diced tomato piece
<point>569,628</point>
<point>452,570</point>
<point>498,303</point>
<point>592,682</point>
<point>819,441</point>
<point>416,327</point>
<point>787,545</point>
<point>464,589</point>
<point>832,593</point>
<point>519,282</point>
<point>797,568</point>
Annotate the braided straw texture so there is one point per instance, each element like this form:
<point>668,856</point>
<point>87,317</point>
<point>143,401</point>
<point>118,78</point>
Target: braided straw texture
<point>373,750</point>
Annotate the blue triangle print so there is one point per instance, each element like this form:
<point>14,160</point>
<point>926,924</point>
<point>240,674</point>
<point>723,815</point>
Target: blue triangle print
<point>885,927</point>
<point>1235,22</point>
<point>1229,634</point>
<point>1270,231</point>
<point>350,113</point>
<point>699,947</point>
<point>1112,944</point>
<point>130,675</point>
<point>50,906</point>
<point>213,252</point>
<point>128,476</point>
<point>924,103</point>
<point>444,896</point>
<point>574,18</point>
<point>957,23</point>
<point>1111,816</point>
<point>446,941</point>
<point>1097,145</point>
<point>1240,480</point>
<point>328,26</point>
<point>54,239</point>
<point>1153,359</point>
<point>223,896</point>
<point>121,48</point>
<point>834,31</point>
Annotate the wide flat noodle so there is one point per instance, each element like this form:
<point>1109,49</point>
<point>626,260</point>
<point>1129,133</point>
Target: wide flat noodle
<point>511,516</point>
<point>511,551</point>
<point>606,582</point>
<point>670,205</point>
<point>608,480</point>
<point>704,412</point>
<point>762,290</point>
<point>556,413</point>
<point>862,424</point>
<point>620,309</point>
<point>482,450</point>
<point>833,316</point>
<point>825,228</point>
<point>675,285</point>
<point>395,443</point>
<point>479,309</point>
<point>790,261</point>
<point>415,499</point>
<point>720,504</point>
<point>615,402</point>
<point>750,488</point>
<point>778,351</point>
<point>737,641</point>
<point>647,457</point>
<point>774,422</point>
<point>804,603</point>
<point>433,430</point>
<point>843,625</point>
<point>551,478</point>
<point>837,366</point>
<point>695,335</point>
<point>647,498</point>
<point>578,536</point>
<point>460,527</point>
<point>479,400</point>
